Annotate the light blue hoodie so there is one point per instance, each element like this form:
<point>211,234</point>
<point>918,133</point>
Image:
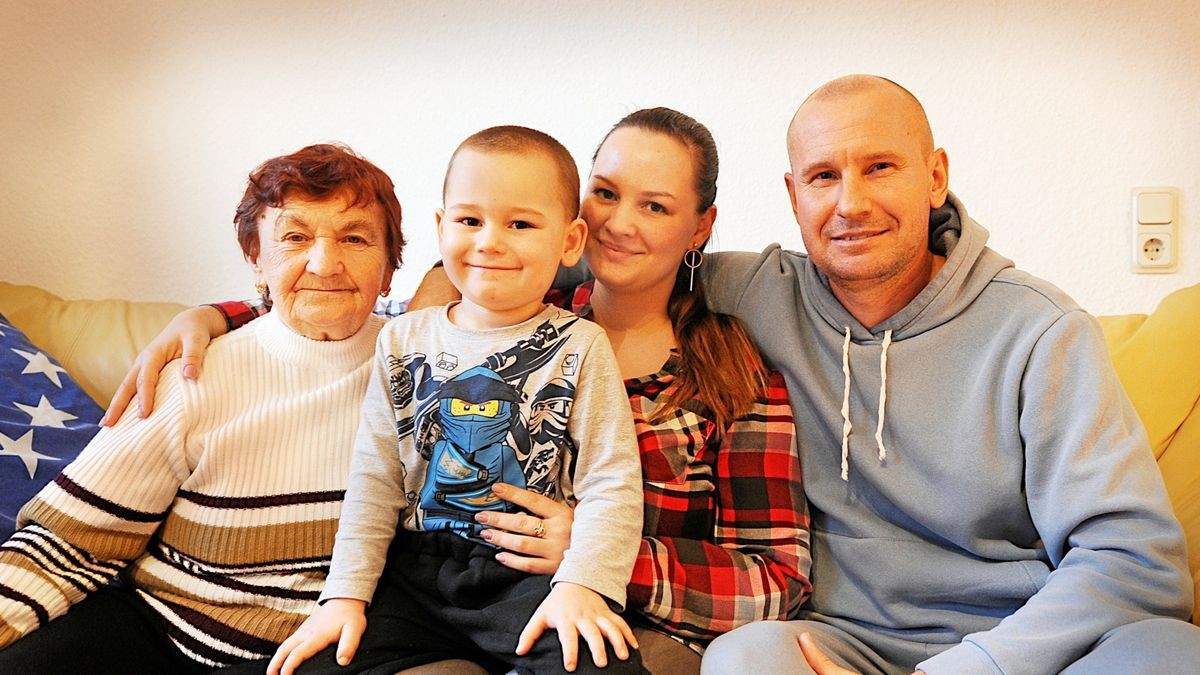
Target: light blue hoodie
<point>1017,514</point>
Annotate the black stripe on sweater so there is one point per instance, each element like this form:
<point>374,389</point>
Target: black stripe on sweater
<point>232,584</point>
<point>51,564</point>
<point>98,568</point>
<point>92,499</point>
<point>264,501</point>
<point>43,616</point>
<point>227,634</point>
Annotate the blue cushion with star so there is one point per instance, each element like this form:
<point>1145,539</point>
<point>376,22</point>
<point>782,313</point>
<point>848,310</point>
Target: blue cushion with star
<point>45,420</point>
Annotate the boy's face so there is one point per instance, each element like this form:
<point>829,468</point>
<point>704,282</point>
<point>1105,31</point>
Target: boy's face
<point>502,233</point>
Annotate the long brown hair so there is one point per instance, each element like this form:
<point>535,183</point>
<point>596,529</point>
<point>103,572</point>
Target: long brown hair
<point>719,364</point>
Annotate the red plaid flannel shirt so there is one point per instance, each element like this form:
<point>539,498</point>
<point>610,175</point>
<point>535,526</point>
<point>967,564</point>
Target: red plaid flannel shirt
<point>725,540</point>
<point>725,537</point>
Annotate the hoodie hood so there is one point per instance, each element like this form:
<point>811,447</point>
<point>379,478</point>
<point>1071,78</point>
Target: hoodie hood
<point>970,267</point>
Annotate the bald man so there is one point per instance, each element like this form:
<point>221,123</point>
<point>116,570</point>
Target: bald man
<point>983,496</point>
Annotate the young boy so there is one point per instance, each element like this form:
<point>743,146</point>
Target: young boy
<point>496,388</point>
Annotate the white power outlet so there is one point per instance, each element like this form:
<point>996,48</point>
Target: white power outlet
<point>1155,219</point>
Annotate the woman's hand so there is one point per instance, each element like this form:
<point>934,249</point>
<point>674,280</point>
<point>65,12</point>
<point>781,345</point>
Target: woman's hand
<point>340,620</point>
<point>578,612</point>
<point>516,533</point>
<point>187,335</point>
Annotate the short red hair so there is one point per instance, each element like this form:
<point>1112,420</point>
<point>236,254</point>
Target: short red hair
<point>318,172</point>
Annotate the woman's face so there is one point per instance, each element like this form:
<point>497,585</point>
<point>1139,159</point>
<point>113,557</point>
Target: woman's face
<point>640,207</point>
<point>325,262</point>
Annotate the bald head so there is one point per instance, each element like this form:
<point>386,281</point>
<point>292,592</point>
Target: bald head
<point>889,99</point>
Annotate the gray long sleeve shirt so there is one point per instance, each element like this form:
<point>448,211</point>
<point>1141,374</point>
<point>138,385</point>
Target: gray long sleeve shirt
<point>450,411</point>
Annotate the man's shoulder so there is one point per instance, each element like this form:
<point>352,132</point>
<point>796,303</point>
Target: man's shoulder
<point>749,260</point>
<point>737,268</point>
<point>1031,293</point>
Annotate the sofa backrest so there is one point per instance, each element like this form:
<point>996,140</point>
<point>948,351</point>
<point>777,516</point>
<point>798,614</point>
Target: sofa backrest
<point>95,340</point>
<point>1157,357</point>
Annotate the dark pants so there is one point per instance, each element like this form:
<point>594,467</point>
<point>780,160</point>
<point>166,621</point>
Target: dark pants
<point>443,597</point>
<point>112,631</point>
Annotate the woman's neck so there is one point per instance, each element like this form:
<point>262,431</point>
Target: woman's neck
<point>638,327</point>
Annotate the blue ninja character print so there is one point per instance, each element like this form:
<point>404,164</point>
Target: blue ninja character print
<point>477,410</point>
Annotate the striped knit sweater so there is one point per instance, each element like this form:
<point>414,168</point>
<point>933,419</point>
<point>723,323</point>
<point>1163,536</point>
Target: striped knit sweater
<point>220,509</point>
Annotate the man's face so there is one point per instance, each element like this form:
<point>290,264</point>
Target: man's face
<point>863,180</point>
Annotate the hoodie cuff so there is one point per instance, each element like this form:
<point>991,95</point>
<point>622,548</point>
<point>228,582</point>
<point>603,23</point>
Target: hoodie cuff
<point>965,658</point>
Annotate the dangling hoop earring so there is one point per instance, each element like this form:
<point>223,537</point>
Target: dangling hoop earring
<point>692,260</point>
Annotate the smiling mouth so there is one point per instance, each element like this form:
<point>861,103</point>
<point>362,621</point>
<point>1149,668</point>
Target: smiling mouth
<point>616,249</point>
<point>856,236</point>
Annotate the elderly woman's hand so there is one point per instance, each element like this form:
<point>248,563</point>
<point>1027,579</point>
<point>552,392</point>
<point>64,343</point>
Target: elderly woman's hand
<point>531,543</point>
<point>187,335</point>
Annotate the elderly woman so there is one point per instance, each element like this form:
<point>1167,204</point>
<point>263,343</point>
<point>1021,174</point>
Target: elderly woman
<point>216,515</point>
<point>725,538</point>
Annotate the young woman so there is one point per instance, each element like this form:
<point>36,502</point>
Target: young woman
<point>725,535</point>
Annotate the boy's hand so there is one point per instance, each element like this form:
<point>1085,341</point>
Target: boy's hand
<point>187,335</point>
<point>576,611</point>
<point>341,619</point>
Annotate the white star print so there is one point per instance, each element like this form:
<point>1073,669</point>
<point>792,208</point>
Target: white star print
<point>46,415</point>
<point>22,448</point>
<point>40,363</point>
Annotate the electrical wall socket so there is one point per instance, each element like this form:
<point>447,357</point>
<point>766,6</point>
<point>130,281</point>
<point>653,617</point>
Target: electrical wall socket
<point>1155,220</point>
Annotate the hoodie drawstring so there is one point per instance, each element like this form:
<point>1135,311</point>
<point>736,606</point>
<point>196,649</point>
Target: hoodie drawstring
<point>887,342</point>
<point>846,426</point>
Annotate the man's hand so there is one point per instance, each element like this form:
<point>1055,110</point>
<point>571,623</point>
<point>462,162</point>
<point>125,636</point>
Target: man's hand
<point>187,335</point>
<point>817,660</point>
<point>340,620</point>
<point>822,664</point>
<point>435,290</point>
<point>578,612</point>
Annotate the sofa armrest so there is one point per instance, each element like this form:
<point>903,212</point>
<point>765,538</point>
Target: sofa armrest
<point>1157,357</point>
<point>95,340</point>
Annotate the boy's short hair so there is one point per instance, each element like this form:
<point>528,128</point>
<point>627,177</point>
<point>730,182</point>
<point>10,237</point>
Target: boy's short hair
<point>521,141</point>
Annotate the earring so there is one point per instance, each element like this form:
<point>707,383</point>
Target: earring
<point>692,259</point>
<point>384,292</point>
<point>261,288</point>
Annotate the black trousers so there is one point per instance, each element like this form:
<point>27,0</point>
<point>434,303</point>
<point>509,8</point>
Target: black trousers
<point>444,597</point>
<point>112,631</point>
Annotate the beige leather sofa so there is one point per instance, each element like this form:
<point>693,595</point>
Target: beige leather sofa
<point>1157,357</point>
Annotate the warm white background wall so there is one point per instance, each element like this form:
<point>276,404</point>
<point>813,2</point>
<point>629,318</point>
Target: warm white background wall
<point>127,128</point>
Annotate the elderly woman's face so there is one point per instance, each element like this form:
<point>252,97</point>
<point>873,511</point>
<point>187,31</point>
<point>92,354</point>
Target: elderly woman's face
<point>325,262</point>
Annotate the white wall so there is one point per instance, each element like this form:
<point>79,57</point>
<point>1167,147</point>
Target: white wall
<point>127,128</point>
